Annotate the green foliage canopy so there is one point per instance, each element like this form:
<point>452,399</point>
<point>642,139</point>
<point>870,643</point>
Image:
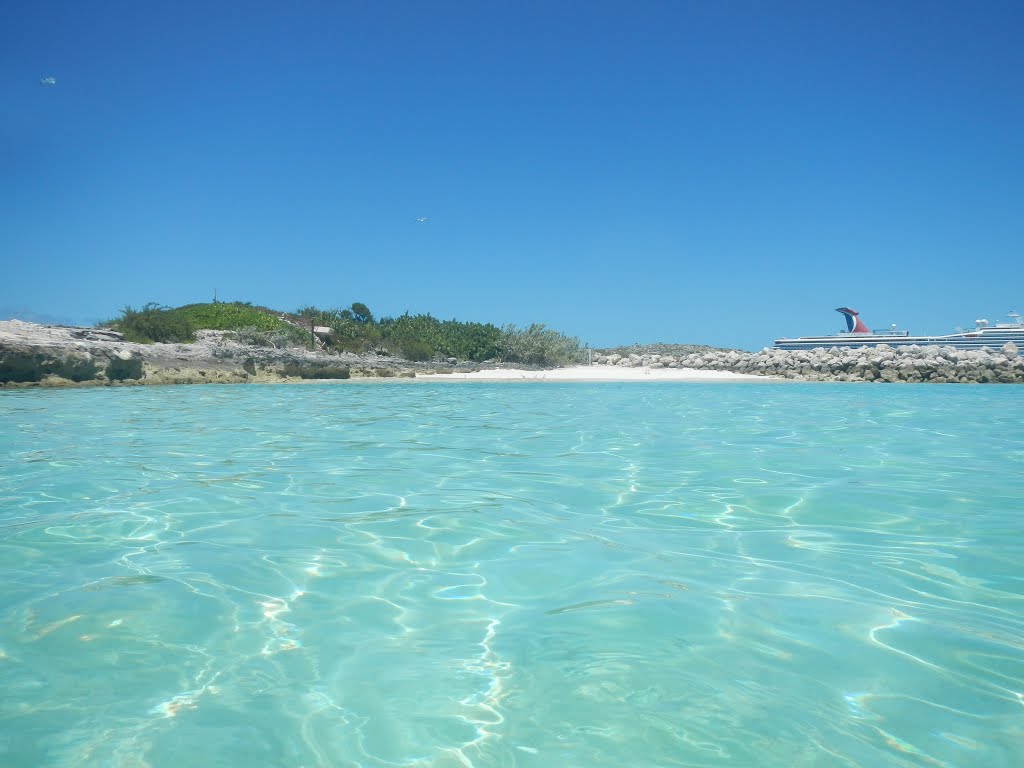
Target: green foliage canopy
<point>156,323</point>
<point>354,329</point>
<point>228,316</point>
<point>153,323</point>
<point>539,345</point>
<point>421,337</point>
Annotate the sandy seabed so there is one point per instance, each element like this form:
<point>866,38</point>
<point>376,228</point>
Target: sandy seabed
<point>597,373</point>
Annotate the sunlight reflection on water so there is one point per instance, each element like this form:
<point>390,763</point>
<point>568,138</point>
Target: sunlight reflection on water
<point>512,574</point>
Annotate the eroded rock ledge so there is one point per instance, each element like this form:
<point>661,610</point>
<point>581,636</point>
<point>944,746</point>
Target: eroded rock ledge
<point>55,356</point>
<point>882,364</point>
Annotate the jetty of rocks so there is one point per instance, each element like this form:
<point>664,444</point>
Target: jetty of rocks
<point>913,364</point>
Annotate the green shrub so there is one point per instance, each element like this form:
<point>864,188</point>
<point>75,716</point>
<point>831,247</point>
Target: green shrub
<point>353,329</point>
<point>420,337</point>
<point>417,351</point>
<point>252,325</point>
<point>537,345</point>
<point>228,316</point>
<point>153,323</point>
<point>350,336</point>
<point>470,341</point>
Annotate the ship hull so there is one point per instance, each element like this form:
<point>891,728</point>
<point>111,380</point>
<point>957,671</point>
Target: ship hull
<point>993,338</point>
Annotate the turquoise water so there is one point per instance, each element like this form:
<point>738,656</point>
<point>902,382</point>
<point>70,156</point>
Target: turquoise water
<point>439,574</point>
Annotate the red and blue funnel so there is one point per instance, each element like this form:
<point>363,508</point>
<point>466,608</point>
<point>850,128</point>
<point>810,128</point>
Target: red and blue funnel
<point>853,323</point>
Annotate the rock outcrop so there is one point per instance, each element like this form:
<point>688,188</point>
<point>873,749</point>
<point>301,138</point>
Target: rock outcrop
<point>42,355</point>
<point>882,364</point>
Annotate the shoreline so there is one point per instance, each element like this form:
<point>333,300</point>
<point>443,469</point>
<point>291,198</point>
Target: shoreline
<point>33,355</point>
<point>596,373</point>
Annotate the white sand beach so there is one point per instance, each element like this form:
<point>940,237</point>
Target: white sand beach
<point>596,373</point>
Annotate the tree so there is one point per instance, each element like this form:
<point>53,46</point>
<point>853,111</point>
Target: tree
<point>361,313</point>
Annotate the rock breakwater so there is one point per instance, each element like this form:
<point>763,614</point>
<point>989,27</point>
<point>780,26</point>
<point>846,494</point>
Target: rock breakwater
<point>912,364</point>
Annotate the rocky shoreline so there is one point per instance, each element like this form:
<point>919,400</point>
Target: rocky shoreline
<point>63,356</point>
<point>914,364</point>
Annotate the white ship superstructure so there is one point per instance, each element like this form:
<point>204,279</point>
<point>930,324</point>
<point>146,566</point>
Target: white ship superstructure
<point>857,334</point>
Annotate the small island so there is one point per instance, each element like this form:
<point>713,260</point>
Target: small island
<point>236,342</point>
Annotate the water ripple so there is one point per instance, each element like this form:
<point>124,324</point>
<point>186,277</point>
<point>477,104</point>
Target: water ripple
<point>500,575</point>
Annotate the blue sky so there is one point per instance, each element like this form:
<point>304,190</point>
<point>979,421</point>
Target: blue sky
<point>698,172</point>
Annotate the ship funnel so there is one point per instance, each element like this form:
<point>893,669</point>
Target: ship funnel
<point>853,323</point>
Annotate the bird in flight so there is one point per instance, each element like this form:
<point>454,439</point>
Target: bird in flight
<point>422,219</point>
<point>48,80</point>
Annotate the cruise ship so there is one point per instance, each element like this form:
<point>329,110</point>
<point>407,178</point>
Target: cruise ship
<point>857,334</point>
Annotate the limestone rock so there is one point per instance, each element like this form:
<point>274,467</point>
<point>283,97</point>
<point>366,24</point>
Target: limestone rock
<point>41,355</point>
<point>884,363</point>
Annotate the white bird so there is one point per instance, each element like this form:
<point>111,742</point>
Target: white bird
<point>48,81</point>
<point>422,219</point>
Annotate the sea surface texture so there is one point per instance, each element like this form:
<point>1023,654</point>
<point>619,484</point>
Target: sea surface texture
<point>442,574</point>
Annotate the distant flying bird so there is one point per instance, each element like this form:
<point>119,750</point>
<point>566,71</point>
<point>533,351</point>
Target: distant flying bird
<point>48,81</point>
<point>422,219</point>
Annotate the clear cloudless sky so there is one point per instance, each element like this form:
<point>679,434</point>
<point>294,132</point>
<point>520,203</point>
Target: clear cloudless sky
<point>720,172</point>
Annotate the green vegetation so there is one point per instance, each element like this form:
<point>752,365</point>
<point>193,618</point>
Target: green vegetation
<point>352,329</point>
<point>537,345</point>
<point>224,316</point>
<point>422,337</point>
<point>153,323</point>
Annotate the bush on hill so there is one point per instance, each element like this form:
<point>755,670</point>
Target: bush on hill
<point>417,337</point>
<point>416,351</point>
<point>421,337</point>
<point>153,323</point>
<point>228,316</point>
<point>470,341</point>
<point>538,345</point>
<point>353,329</point>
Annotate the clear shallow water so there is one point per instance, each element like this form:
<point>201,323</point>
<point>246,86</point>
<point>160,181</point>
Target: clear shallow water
<point>414,574</point>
